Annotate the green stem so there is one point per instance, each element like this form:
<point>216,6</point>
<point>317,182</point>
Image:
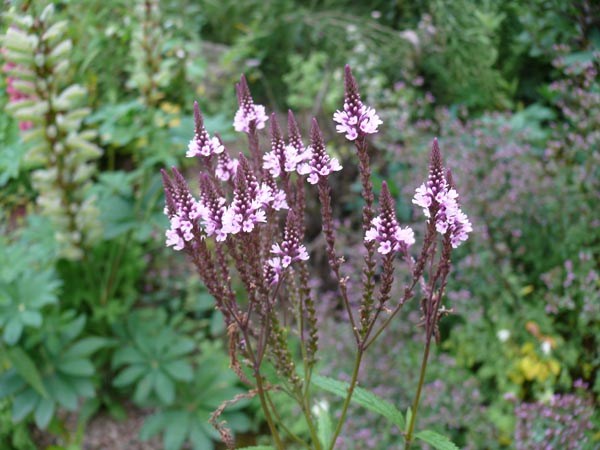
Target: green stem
<point>415,405</point>
<point>265,408</point>
<point>353,382</point>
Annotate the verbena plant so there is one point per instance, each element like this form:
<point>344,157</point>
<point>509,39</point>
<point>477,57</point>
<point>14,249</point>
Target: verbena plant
<point>245,235</point>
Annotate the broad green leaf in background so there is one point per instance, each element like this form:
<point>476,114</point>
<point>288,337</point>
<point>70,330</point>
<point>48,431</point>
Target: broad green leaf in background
<point>25,366</point>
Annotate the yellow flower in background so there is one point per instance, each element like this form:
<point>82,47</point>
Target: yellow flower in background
<point>170,108</point>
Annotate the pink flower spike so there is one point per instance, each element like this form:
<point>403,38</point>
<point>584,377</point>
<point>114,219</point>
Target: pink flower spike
<point>439,201</point>
<point>320,164</point>
<point>385,229</point>
<point>202,144</point>
<point>355,119</point>
<point>182,210</point>
<point>226,167</point>
<point>248,115</point>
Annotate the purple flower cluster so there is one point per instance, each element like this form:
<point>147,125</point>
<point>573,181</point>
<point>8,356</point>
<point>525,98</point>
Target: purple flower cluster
<point>182,210</point>
<point>562,423</point>
<point>439,201</point>
<point>248,115</point>
<point>202,144</point>
<point>385,229</point>
<point>320,165</point>
<point>355,119</point>
<point>284,157</point>
<point>289,251</point>
<point>226,167</point>
<point>249,201</point>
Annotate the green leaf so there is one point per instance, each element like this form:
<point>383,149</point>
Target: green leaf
<point>164,387</point>
<point>23,404</point>
<point>199,440</point>
<point>31,318</point>
<point>362,397</point>
<point>77,367</point>
<point>44,412</point>
<point>176,431</point>
<point>12,331</point>
<point>180,370</point>
<point>436,440</point>
<point>324,427</point>
<point>87,346</point>
<point>62,392</point>
<point>10,382</point>
<point>152,426</point>
<point>25,366</point>
<point>84,387</point>
<point>126,355</point>
<point>129,375</point>
<point>142,390</point>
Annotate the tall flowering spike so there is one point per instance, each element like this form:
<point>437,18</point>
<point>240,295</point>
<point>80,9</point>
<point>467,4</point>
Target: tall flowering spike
<point>289,251</point>
<point>320,164</point>
<point>439,201</point>
<point>202,144</point>
<point>214,208</point>
<point>294,136</point>
<point>248,115</point>
<point>356,119</point>
<point>274,161</point>
<point>246,210</point>
<point>461,226</point>
<point>294,154</point>
<point>181,209</point>
<point>226,167</point>
<point>385,228</point>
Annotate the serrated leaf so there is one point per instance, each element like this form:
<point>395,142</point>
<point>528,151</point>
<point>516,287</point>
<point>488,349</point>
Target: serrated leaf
<point>436,440</point>
<point>25,366</point>
<point>361,397</point>
<point>44,412</point>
